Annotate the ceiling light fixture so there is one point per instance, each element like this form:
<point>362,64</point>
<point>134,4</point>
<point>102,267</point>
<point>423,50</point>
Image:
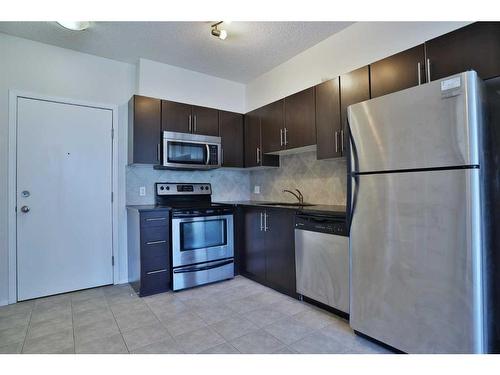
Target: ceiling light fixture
<point>221,34</point>
<point>74,25</point>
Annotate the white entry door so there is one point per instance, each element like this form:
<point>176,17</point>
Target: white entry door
<point>64,208</point>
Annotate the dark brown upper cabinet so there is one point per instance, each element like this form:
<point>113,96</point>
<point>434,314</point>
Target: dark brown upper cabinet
<point>473,47</point>
<point>231,133</point>
<point>175,117</point>
<point>272,124</point>
<point>354,88</point>
<point>398,72</point>
<point>205,121</point>
<point>300,119</point>
<point>186,118</point>
<point>144,130</point>
<point>254,157</point>
<point>328,125</point>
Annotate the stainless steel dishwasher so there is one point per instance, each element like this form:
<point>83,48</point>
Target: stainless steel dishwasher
<point>322,259</point>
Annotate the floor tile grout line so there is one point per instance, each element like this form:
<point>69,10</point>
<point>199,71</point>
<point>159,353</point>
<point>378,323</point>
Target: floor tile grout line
<point>73,325</point>
<point>116,322</point>
<point>28,328</point>
<point>161,322</point>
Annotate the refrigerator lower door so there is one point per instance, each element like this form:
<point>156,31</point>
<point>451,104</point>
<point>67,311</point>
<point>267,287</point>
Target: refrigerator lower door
<point>415,260</point>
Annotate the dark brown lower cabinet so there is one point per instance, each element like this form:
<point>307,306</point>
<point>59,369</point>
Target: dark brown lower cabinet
<point>148,253</point>
<point>268,249</point>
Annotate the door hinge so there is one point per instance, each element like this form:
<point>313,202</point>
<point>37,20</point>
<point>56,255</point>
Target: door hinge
<point>113,260</point>
<point>112,133</point>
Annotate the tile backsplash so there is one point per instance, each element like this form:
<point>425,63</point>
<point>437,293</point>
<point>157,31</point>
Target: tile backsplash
<point>320,181</point>
<point>227,184</point>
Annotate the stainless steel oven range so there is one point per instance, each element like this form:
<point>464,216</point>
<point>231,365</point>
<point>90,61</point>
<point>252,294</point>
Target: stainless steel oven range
<point>202,234</point>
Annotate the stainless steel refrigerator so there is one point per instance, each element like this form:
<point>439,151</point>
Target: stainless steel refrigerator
<point>416,220</point>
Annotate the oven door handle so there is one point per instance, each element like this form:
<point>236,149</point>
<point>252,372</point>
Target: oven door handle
<point>203,268</point>
<point>208,153</point>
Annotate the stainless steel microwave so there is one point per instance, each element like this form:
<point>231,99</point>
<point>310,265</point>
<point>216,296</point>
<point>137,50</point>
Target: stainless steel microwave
<point>191,151</point>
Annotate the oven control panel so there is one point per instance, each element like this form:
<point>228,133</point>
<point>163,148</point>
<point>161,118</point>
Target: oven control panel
<point>167,188</point>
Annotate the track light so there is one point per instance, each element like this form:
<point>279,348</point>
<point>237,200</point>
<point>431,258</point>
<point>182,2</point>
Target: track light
<point>74,25</point>
<point>219,33</point>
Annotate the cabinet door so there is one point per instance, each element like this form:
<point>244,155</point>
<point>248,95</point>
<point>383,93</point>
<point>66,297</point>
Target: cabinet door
<point>272,123</point>
<point>354,88</point>
<point>280,250</point>
<point>253,257</point>
<point>175,117</point>
<point>474,47</point>
<point>252,139</point>
<point>231,133</point>
<point>398,72</point>
<point>144,130</point>
<point>300,121</point>
<point>205,121</point>
<point>328,119</point>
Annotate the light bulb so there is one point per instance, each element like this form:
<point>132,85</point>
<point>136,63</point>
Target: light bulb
<point>74,25</point>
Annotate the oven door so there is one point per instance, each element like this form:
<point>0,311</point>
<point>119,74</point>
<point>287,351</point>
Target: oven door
<point>202,239</point>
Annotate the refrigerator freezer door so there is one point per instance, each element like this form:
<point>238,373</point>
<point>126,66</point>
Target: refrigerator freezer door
<point>415,260</point>
<point>428,126</point>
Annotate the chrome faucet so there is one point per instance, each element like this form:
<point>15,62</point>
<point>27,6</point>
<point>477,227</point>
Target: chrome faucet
<point>299,195</point>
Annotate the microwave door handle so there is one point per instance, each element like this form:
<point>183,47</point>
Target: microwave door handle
<point>208,154</point>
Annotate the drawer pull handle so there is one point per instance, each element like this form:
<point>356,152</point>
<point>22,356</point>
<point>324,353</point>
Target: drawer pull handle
<point>155,242</point>
<point>156,219</point>
<point>153,272</point>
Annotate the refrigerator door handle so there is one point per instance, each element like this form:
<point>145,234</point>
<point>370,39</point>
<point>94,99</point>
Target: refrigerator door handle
<point>353,165</point>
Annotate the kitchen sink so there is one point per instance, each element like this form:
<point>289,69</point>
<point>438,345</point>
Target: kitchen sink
<point>286,204</point>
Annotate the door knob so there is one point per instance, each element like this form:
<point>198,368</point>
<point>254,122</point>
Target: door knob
<point>25,209</point>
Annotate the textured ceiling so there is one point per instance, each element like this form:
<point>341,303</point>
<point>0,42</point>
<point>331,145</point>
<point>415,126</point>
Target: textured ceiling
<point>251,49</point>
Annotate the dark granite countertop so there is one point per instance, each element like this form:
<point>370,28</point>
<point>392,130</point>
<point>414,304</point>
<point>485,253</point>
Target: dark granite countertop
<point>319,208</point>
<point>145,207</point>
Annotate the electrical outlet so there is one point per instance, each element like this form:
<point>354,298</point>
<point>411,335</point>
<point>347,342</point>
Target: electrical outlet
<point>142,191</point>
<point>256,189</point>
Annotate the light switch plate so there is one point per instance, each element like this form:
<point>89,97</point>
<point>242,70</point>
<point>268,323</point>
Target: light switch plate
<point>142,191</point>
<point>256,189</point>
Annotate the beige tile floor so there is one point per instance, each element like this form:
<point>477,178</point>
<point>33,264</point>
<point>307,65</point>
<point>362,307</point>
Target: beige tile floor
<point>235,316</point>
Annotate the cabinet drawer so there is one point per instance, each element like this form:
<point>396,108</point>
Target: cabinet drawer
<point>152,264</point>
<point>153,235</point>
<point>154,218</point>
<point>154,282</point>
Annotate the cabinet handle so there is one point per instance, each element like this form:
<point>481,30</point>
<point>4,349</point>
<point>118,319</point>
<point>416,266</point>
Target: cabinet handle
<point>156,242</point>
<point>419,73</point>
<point>265,222</point>
<point>158,151</point>
<point>342,140</point>
<point>261,225</point>
<point>195,121</point>
<point>336,141</point>
<point>428,70</point>
<point>285,130</point>
<point>221,156</point>
<point>153,272</point>
<point>189,123</point>
<point>258,155</point>
<point>156,219</point>
<point>281,137</point>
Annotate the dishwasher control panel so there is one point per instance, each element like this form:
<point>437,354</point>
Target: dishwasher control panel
<point>321,224</point>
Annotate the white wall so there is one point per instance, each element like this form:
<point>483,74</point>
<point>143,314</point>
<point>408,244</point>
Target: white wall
<point>53,71</point>
<point>185,86</point>
<point>356,46</point>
